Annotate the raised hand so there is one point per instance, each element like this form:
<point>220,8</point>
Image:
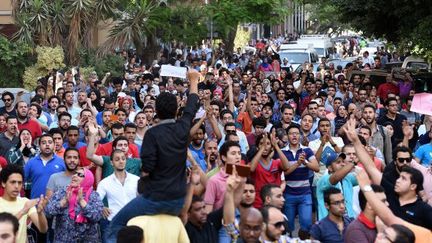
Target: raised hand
<point>233,180</point>
<point>407,129</point>
<point>29,204</point>
<point>42,203</point>
<point>274,139</point>
<point>350,130</point>
<point>92,129</point>
<point>193,75</point>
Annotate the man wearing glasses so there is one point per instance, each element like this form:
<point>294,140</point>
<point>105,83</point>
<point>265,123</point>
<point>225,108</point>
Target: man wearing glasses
<point>401,182</point>
<point>8,100</point>
<point>274,225</point>
<point>332,228</point>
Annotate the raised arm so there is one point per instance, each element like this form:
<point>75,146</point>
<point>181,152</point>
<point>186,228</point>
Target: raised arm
<point>232,185</point>
<point>340,174</point>
<point>299,89</point>
<point>362,154</point>
<point>380,208</point>
<point>91,149</point>
<point>283,158</point>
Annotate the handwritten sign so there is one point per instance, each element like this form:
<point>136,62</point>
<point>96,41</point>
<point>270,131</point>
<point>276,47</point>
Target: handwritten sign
<point>422,103</point>
<point>173,71</point>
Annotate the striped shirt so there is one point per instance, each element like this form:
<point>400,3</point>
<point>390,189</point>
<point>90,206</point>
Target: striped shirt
<point>298,183</point>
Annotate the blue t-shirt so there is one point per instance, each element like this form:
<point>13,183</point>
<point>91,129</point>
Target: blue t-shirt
<point>346,187</point>
<point>38,173</point>
<point>424,154</point>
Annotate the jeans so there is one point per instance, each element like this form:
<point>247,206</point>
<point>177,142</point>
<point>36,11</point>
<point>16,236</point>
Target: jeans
<point>104,228</point>
<point>300,205</point>
<point>142,206</point>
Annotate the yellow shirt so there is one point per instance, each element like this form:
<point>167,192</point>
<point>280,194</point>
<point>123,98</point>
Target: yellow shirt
<point>422,235</point>
<point>14,208</point>
<point>161,228</point>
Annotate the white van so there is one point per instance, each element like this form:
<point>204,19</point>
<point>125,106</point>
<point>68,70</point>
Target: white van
<point>321,43</point>
<point>297,57</point>
<point>415,63</point>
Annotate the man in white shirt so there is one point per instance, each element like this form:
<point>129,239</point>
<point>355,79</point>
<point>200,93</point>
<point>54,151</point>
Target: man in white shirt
<point>119,188</point>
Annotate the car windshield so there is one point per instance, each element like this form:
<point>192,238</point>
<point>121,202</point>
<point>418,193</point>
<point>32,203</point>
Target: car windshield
<point>417,65</point>
<point>295,57</point>
<point>320,51</point>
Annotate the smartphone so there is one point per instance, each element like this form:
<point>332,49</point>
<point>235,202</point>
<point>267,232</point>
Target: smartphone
<point>114,118</point>
<point>242,170</point>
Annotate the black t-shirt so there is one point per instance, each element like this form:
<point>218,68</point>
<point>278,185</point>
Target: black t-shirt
<point>418,213</point>
<point>11,113</point>
<point>209,233</point>
<point>397,127</point>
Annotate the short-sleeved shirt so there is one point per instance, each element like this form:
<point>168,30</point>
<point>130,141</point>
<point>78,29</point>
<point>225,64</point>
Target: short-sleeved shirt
<point>328,149</point>
<point>39,174</point>
<point>424,154</point>
<point>155,228</point>
<point>14,208</point>
<point>215,190</point>
<point>58,181</point>
<point>345,185</point>
<point>327,231</point>
<point>298,182</point>
<point>266,174</point>
<point>133,166</point>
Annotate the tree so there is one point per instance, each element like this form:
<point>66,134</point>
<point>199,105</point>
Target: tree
<point>228,14</point>
<point>14,58</point>
<point>143,24</point>
<point>56,22</point>
<point>406,23</point>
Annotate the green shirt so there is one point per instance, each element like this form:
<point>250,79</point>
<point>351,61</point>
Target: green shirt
<point>133,166</point>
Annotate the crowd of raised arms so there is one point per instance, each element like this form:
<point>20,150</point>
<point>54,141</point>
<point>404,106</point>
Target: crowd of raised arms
<point>243,149</point>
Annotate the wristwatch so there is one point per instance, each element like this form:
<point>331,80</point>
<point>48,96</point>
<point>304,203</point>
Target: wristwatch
<point>367,188</point>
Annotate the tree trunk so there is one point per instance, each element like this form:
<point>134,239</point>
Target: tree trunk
<point>151,51</point>
<point>229,43</point>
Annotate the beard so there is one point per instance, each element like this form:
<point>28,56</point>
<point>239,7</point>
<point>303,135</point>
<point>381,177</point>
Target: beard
<point>71,169</point>
<point>246,205</point>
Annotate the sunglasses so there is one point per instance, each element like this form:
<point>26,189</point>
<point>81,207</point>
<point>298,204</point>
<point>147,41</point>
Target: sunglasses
<point>6,100</point>
<point>279,224</point>
<point>80,174</point>
<point>404,160</point>
<point>230,131</point>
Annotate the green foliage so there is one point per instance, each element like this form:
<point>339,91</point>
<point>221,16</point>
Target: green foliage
<point>242,37</point>
<point>48,59</point>
<point>227,14</point>
<point>15,56</point>
<point>102,64</point>
<point>110,63</point>
<point>405,23</point>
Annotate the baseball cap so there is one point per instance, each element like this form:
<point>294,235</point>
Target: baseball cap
<point>333,156</point>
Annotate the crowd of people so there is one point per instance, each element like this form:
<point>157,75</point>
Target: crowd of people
<point>242,150</point>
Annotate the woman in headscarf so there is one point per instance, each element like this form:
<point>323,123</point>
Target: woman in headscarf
<point>95,97</point>
<point>127,104</point>
<point>77,210</point>
<point>23,151</point>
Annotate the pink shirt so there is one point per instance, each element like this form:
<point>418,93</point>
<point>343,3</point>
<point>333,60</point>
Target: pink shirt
<point>215,190</point>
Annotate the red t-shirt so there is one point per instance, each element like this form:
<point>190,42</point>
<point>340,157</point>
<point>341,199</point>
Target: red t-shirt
<point>264,176</point>
<point>33,126</point>
<point>385,89</point>
<point>84,162</point>
<point>106,150</point>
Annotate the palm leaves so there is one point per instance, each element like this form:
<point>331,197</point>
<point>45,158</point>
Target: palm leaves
<point>69,23</point>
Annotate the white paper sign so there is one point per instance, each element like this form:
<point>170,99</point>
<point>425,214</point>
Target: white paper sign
<point>173,71</point>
